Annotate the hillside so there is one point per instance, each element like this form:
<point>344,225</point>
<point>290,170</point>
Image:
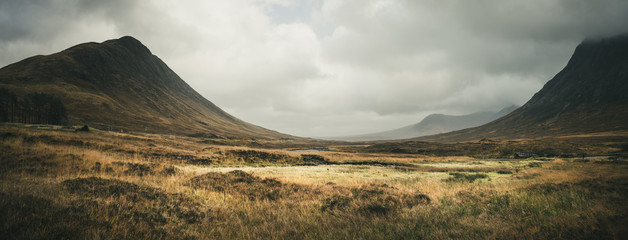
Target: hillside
<point>120,85</point>
<point>433,124</point>
<point>588,96</point>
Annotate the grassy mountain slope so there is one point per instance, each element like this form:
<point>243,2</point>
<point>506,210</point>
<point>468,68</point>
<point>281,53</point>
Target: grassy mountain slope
<point>590,95</point>
<point>120,84</point>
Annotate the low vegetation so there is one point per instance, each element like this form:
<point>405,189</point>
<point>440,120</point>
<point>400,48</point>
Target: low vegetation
<point>57,183</point>
<point>465,177</point>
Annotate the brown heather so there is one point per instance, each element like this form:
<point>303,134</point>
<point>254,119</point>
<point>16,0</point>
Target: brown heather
<point>60,184</point>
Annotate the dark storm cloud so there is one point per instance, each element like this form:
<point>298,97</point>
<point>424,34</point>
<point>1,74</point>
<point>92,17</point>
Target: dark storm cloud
<point>332,67</point>
<point>40,19</point>
<point>42,27</point>
<point>28,19</point>
<point>481,34</point>
<point>522,33</point>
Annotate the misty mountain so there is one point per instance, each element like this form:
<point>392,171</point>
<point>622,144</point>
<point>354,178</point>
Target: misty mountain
<point>590,95</point>
<point>433,124</point>
<point>120,85</point>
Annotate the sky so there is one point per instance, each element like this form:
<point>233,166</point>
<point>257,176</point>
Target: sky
<point>323,68</point>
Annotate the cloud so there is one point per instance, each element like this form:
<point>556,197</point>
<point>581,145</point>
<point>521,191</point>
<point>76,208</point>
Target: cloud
<point>427,51</point>
<point>332,67</point>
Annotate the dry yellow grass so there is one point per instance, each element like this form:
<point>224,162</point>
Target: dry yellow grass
<point>114,185</point>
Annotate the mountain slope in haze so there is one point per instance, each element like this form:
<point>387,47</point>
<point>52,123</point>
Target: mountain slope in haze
<point>120,84</point>
<point>590,95</point>
<point>433,124</point>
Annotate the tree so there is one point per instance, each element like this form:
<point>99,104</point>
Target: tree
<point>34,108</point>
<point>4,104</point>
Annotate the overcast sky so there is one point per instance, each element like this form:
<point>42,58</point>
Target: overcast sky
<point>332,67</point>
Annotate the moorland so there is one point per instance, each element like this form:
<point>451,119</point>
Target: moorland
<point>105,141</point>
<point>64,184</point>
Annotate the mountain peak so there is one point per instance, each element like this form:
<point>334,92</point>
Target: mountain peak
<point>607,40</point>
<point>587,96</point>
<point>434,116</point>
<point>596,73</point>
<point>120,84</point>
<point>128,39</point>
<point>126,47</point>
<point>131,44</point>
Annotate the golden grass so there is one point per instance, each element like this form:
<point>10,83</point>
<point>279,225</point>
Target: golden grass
<point>112,185</point>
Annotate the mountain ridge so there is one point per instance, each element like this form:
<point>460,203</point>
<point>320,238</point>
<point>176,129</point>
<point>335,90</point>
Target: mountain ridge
<point>432,124</point>
<point>120,84</point>
<point>587,96</point>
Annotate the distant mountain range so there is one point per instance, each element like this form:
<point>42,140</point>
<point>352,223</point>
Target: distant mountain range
<point>432,124</point>
<point>590,95</point>
<point>120,85</point>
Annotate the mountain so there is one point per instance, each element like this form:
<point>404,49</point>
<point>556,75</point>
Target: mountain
<point>120,85</point>
<point>433,124</point>
<point>590,95</point>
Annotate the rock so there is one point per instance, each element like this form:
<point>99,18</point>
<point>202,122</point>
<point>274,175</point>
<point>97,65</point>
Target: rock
<point>85,128</point>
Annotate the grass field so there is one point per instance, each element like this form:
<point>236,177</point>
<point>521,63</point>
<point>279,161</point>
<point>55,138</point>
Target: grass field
<point>56,183</point>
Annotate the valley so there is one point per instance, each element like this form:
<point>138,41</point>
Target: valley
<point>100,184</point>
<point>105,141</point>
